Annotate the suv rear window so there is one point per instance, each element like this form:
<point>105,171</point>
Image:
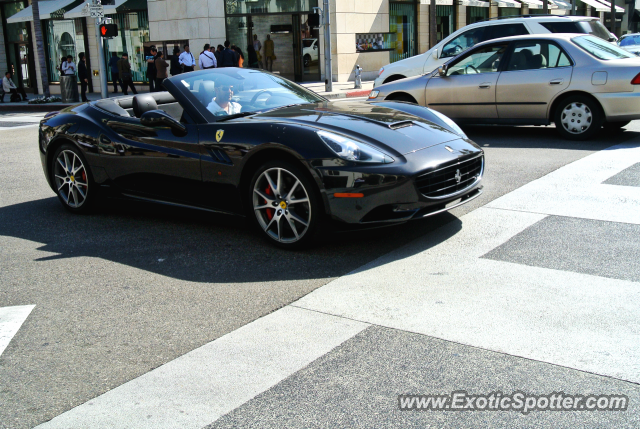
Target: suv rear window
<point>585,27</point>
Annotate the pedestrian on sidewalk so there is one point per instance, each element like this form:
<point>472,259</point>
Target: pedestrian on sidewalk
<point>240,56</point>
<point>218,54</point>
<point>10,88</point>
<point>124,69</point>
<point>229,56</point>
<point>253,57</point>
<point>186,60</point>
<point>151,68</point>
<point>113,67</point>
<point>161,67</point>
<point>269,53</point>
<point>257,46</point>
<point>207,59</point>
<point>176,69</point>
<point>69,67</point>
<point>83,75</point>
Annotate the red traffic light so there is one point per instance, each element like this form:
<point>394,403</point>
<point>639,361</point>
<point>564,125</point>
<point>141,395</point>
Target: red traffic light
<point>109,30</point>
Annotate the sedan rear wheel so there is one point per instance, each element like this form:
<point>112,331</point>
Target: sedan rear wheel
<point>578,118</point>
<point>72,179</point>
<point>284,204</point>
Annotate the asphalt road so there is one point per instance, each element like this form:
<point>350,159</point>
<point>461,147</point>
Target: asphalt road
<point>126,290</point>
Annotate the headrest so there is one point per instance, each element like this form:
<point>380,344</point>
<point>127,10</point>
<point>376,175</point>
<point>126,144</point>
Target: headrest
<point>206,92</point>
<point>538,61</point>
<point>518,61</point>
<point>143,103</point>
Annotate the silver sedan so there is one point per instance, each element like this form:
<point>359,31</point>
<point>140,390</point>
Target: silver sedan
<point>578,82</point>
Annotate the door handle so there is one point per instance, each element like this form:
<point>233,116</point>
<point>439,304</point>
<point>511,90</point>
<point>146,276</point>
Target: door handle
<point>556,82</point>
<point>485,85</point>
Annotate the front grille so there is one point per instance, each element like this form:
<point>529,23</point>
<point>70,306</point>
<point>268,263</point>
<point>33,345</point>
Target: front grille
<point>451,179</point>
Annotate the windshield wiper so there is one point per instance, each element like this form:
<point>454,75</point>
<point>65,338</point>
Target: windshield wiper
<point>223,118</point>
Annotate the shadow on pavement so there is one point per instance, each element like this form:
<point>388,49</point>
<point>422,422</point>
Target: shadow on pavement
<point>197,246</point>
<point>543,137</point>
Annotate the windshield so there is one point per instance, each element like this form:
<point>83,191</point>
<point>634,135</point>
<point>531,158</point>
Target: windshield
<point>630,41</point>
<point>231,91</point>
<point>601,49</point>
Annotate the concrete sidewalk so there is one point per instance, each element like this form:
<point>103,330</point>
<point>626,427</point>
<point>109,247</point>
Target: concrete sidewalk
<point>340,90</point>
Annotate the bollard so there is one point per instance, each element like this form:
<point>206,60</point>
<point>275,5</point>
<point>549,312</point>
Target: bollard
<point>358,73</point>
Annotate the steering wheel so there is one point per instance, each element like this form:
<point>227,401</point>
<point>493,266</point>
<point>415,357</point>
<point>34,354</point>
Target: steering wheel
<point>466,69</point>
<point>457,49</point>
<point>258,94</point>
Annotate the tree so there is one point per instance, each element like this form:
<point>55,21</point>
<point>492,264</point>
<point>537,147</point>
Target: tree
<point>37,30</point>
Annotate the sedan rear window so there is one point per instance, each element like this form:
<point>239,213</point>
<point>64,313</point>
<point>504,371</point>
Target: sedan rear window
<point>601,49</point>
<point>593,27</point>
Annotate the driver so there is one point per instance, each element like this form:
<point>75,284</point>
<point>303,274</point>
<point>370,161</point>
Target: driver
<point>221,103</point>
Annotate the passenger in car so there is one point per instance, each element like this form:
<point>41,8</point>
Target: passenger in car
<point>221,103</point>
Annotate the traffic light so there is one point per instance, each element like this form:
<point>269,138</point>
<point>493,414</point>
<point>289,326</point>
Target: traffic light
<point>109,30</point>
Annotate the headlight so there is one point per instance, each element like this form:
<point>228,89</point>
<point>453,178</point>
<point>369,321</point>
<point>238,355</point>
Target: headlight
<point>373,94</point>
<point>450,123</point>
<point>353,150</point>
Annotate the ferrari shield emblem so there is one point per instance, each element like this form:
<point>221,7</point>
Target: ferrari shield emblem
<point>219,135</point>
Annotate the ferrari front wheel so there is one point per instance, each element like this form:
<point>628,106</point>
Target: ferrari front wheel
<point>72,179</point>
<point>284,203</point>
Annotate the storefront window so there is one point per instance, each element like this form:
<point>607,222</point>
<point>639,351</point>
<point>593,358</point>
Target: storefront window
<point>64,37</point>
<point>17,37</point>
<point>509,11</point>
<point>402,22</point>
<point>133,32</point>
<point>445,21</point>
<point>477,14</point>
<point>268,6</point>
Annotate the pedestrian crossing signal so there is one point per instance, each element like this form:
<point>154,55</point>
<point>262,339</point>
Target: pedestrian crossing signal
<point>109,30</point>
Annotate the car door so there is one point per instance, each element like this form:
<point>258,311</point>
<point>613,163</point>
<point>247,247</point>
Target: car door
<point>536,72</point>
<point>468,90</point>
<point>154,162</point>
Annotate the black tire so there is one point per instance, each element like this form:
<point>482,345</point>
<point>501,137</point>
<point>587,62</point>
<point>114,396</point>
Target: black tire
<point>307,60</point>
<point>277,224</point>
<point>393,78</point>
<point>74,185</point>
<point>578,117</point>
<point>615,126</point>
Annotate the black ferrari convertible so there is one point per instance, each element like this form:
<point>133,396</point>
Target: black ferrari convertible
<point>248,142</point>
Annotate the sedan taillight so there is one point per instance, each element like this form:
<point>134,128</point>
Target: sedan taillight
<point>636,80</point>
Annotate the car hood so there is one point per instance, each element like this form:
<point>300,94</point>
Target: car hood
<point>403,127</point>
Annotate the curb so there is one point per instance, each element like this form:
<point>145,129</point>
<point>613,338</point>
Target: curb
<point>53,107</point>
<point>350,94</point>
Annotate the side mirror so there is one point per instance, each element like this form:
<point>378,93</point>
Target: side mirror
<point>159,119</point>
<point>442,70</point>
<point>435,54</point>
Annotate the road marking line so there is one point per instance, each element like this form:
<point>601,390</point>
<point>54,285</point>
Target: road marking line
<point>198,388</point>
<point>11,319</point>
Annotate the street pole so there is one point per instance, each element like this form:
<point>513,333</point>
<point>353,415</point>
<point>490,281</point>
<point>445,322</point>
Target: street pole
<point>613,17</point>
<point>328,71</point>
<point>433,33</point>
<point>573,7</point>
<point>102,74</point>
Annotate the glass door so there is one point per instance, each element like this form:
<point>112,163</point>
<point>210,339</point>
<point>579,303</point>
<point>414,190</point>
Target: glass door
<point>297,47</point>
<point>310,50</point>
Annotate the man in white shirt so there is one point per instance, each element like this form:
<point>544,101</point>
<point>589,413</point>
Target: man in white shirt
<point>10,88</point>
<point>258,47</point>
<point>207,59</point>
<point>69,67</point>
<point>186,60</point>
<point>222,105</point>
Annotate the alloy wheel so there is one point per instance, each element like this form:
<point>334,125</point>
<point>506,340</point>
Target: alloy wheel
<point>71,179</point>
<point>576,118</point>
<point>281,205</point>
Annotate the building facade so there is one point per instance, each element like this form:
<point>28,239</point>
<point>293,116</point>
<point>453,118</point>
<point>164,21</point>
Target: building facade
<point>368,33</point>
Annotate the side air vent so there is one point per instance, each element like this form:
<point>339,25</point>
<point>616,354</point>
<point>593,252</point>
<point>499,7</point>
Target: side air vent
<point>219,156</point>
<point>401,124</point>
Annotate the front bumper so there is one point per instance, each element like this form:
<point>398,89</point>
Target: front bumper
<point>398,193</point>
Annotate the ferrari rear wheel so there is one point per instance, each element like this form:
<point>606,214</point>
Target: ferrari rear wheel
<point>284,204</point>
<point>72,179</point>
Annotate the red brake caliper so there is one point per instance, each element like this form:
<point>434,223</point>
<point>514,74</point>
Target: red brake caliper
<point>270,212</point>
